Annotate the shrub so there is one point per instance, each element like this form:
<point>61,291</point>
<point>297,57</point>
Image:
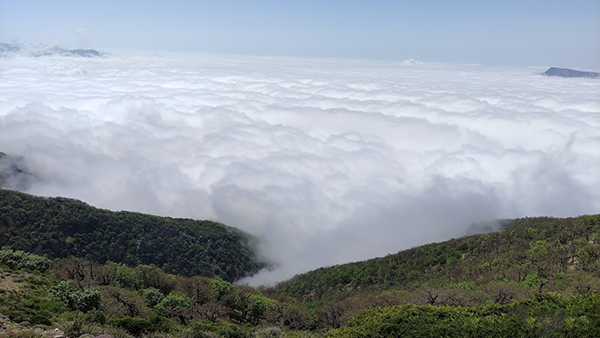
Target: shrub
<point>221,287</point>
<point>258,306</point>
<point>135,326</point>
<point>96,316</point>
<point>84,301</point>
<point>175,301</point>
<point>152,296</point>
<point>20,260</point>
<point>121,275</point>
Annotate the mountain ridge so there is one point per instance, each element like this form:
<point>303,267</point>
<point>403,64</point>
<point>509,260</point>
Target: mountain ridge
<point>566,72</point>
<point>525,250</point>
<point>61,227</point>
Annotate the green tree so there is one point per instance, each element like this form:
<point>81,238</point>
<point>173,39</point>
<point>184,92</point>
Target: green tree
<point>175,304</point>
<point>152,296</point>
<point>258,306</point>
<point>121,275</point>
<point>221,287</point>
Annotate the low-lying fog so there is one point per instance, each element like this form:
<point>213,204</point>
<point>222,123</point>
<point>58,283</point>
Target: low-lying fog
<point>326,161</point>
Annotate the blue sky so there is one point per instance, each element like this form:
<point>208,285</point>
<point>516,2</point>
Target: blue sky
<point>560,33</point>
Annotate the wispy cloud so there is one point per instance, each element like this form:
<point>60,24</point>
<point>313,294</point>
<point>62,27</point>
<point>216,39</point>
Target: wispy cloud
<point>325,160</point>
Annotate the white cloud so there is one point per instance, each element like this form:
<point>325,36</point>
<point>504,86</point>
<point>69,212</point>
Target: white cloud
<point>325,160</point>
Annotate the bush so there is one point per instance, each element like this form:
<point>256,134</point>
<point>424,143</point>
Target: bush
<point>96,316</point>
<point>61,292</point>
<point>258,306</point>
<point>87,300</point>
<point>175,301</point>
<point>20,260</point>
<point>152,296</point>
<point>135,326</point>
<point>221,287</point>
<point>121,275</point>
<point>40,319</point>
<point>430,321</point>
<point>84,301</point>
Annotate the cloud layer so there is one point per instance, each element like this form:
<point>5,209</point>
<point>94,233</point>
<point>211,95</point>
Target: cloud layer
<point>327,161</point>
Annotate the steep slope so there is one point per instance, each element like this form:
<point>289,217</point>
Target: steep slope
<point>529,252</point>
<point>61,227</point>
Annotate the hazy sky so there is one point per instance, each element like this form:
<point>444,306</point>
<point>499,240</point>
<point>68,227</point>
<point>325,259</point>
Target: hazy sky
<point>560,33</point>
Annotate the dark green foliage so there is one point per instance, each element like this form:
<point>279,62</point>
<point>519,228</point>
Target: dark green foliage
<point>96,316</point>
<point>60,227</point>
<point>152,296</point>
<point>136,326</point>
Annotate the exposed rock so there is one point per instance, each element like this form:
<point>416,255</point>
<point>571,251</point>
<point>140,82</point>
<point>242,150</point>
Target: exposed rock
<point>56,333</point>
<point>104,335</point>
<point>86,335</point>
<point>565,72</point>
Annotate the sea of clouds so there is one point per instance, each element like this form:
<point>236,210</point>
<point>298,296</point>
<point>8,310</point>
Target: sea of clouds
<point>326,161</point>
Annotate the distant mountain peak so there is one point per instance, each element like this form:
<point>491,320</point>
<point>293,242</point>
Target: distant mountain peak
<point>565,72</point>
<point>43,49</point>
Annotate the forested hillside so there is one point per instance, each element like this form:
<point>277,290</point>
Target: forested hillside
<point>536,252</point>
<point>537,277</point>
<point>61,227</point>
